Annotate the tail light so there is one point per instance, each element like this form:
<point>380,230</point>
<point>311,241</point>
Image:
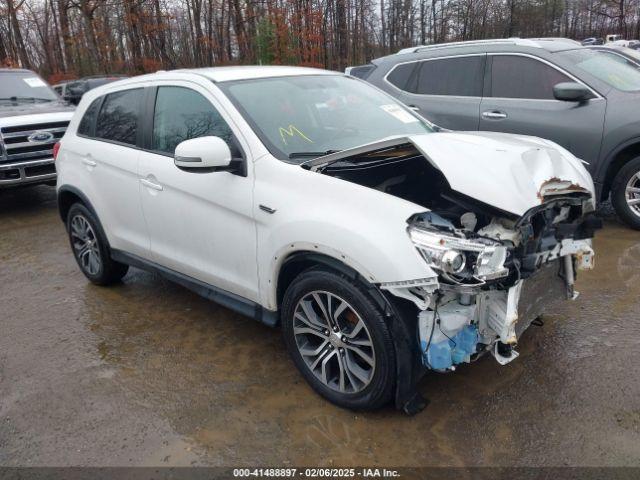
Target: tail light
<point>56,149</point>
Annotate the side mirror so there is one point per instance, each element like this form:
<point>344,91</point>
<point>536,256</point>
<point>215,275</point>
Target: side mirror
<point>571,92</point>
<point>203,152</point>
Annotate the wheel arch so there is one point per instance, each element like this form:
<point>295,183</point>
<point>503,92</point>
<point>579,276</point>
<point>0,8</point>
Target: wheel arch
<point>616,160</point>
<point>297,262</point>
<point>67,196</point>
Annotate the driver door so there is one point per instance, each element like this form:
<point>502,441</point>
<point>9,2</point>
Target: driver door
<point>519,99</point>
<point>200,222</point>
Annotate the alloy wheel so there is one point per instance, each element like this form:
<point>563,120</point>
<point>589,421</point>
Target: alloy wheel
<point>334,342</point>
<point>632,194</point>
<point>85,245</point>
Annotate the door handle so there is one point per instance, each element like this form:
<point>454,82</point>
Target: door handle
<point>150,184</point>
<point>494,114</point>
<point>414,108</point>
<point>88,162</point>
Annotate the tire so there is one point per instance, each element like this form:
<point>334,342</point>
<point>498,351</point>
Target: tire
<point>628,176</point>
<point>368,372</point>
<point>90,247</point>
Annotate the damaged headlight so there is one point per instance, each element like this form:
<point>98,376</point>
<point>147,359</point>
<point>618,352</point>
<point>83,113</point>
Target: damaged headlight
<point>460,257</point>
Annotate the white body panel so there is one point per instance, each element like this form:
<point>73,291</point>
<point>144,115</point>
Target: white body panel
<point>353,224</point>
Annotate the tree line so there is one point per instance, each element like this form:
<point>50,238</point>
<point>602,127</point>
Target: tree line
<point>72,38</point>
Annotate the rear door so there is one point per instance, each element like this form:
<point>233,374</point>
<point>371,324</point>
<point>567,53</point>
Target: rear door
<point>519,99</point>
<point>446,90</point>
<point>107,150</point>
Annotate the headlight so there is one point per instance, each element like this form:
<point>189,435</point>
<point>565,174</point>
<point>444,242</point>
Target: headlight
<point>460,257</point>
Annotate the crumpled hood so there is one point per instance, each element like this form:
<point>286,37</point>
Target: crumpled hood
<point>511,172</point>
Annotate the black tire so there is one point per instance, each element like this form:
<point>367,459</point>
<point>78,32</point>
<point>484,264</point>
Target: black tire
<point>619,195</point>
<point>380,387</point>
<point>107,271</point>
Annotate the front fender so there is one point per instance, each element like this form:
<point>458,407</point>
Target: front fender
<point>377,262</point>
<point>360,227</point>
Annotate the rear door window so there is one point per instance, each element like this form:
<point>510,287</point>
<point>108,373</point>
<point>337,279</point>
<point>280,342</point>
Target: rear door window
<point>118,119</point>
<point>457,76</point>
<point>89,119</point>
<point>515,76</point>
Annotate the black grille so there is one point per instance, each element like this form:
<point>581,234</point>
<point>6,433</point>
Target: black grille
<point>34,126</point>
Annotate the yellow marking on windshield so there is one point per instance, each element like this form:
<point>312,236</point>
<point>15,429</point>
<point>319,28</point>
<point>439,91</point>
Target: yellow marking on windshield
<point>291,131</point>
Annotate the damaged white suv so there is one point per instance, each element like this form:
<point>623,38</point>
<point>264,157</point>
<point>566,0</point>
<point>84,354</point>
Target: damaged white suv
<point>312,199</point>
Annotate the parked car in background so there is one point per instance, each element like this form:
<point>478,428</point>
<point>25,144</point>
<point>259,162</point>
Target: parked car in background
<point>72,91</point>
<point>582,98</point>
<point>612,38</point>
<point>592,41</point>
<point>61,88</point>
<point>32,119</point>
<point>314,200</point>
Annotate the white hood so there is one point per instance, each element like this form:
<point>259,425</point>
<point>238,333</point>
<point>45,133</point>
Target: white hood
<point>511,172</point>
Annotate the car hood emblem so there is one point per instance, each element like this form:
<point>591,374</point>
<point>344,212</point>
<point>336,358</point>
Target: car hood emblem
<point>39,137</point>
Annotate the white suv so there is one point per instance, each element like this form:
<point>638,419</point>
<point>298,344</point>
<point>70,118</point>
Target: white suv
<point>312,199</point>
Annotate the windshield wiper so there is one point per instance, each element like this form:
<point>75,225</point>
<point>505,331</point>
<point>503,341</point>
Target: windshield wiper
<point>311,154</point>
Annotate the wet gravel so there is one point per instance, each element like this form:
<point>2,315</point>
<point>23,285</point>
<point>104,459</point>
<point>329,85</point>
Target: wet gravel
<point>148,373</point>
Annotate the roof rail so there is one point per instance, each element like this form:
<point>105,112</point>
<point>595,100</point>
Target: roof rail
<point>496,41</point>
<point>555,39</point>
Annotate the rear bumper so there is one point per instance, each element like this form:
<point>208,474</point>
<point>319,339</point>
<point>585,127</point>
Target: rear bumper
<point>22,173</point>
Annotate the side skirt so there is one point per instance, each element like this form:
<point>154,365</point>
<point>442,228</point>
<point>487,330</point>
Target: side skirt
<point>222,297</point>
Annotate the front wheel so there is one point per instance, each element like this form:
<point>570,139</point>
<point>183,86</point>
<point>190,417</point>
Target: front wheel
<point>625,193</point>
<point>338,339</point>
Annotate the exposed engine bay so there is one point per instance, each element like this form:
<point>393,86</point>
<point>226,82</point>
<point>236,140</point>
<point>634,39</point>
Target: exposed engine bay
<point>494,272</point>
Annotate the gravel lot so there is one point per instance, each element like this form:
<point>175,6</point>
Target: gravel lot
<point>148,373</point>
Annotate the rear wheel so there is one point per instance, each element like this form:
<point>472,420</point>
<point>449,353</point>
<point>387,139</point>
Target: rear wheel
<point>625,193</point>
<point>91,249</point>
<point>338,339</point>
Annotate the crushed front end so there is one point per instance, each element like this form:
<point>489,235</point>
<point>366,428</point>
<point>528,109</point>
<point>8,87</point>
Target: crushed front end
<point>494,274</point>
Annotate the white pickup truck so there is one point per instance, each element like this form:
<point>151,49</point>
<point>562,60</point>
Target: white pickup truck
<point>32,119</point>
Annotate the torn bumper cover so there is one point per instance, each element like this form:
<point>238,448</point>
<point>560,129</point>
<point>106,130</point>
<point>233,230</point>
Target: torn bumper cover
<point>489,284</point>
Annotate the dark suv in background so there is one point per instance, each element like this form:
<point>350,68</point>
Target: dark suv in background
<point>583,99</point>
<point>73,90</point>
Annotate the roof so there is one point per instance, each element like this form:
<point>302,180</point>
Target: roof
<point>552,44</point>
<point>224,74</point>
<point>216,74</point>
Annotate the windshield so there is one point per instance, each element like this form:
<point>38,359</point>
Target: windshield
<point>618,74</point>
<point>302,117</point>
<point>19,86</point>
<point>628,52</point>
